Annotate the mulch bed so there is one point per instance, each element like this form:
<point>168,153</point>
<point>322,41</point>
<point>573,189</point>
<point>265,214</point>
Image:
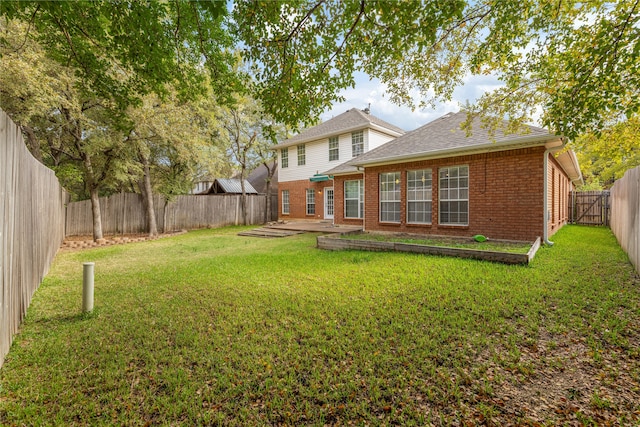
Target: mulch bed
<point>87,242</point>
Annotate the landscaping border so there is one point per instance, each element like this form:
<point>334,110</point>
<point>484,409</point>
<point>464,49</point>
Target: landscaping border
<point>336,243</point>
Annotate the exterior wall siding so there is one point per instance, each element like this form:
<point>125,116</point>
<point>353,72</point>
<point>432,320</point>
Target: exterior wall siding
<point>376,139</point>
<point>505,195</point>
<point>296,178</point>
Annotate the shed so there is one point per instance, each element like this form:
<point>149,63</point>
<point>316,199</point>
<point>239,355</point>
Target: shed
<point>229,186</point>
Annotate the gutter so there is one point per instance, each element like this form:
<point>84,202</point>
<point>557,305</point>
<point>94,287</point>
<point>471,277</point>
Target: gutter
<point>545,204</point>
<point>522,142</point>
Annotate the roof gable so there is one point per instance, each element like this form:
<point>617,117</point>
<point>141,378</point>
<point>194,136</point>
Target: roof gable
<point>348,121</point>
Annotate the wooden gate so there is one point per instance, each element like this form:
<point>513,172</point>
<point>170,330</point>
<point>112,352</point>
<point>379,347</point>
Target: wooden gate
<point>589,207</point>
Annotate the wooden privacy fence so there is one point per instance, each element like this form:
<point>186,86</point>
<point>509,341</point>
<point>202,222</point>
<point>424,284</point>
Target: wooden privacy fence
<point>31,227</point>
<point>124,213</point>
<point>589,207</point>
<point>625,214</point>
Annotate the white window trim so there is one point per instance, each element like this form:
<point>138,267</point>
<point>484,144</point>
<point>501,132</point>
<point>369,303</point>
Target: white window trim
<point>310,191</point>
<point>335,150</point>
<point>430,173</point>
<point>399,202</point>
<point>360,199</point>
<point>288,204</point>
<point>358,134</point>
<point>283,157</point>
<point>302,154</point>
<point>453,224</point>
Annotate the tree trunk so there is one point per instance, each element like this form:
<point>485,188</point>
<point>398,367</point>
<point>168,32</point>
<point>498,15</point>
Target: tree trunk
<point>270,172</point>
<point>32,143</point>
<point>92,186</point>
<point>147,198</point>
<point>95,211</point>
<point>243,200</point>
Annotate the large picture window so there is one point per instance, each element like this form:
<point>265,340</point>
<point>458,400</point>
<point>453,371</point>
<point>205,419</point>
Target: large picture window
<point>302,155</point>
<point>354,199</point>
<point>311,201</point>
<point>284,157</point>
<point>390,197</point>
<point>357,143</point>
<point>285,202</point>
<point>419,196</point>
<point>454,195</point>
<point>334,153</point>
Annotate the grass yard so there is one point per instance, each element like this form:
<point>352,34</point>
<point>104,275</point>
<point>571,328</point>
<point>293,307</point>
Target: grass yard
<point>211,328</point>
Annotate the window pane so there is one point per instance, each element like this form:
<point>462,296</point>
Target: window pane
<point>334,152</point>
<point>454,195</point>
<point>353,198</point>
<point>357,143</point>
<point>311,201</point>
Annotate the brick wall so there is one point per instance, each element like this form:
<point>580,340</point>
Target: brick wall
<point>298,198</point>
<point>558,196</point>
<point>505,195</point>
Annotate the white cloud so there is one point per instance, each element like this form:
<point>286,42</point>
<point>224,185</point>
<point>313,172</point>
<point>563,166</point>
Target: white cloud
<point>372,91</point>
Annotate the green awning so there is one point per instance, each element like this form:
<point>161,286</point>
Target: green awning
<point>319,178</point>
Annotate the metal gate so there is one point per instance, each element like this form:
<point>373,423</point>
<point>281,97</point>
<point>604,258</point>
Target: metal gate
<point>589,207</point>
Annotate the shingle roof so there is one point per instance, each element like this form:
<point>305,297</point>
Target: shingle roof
<point>258,179</point>
<point>350,120</point>
<point>444,135</point>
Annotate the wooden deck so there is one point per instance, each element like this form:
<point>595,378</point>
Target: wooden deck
<point>296,227</point>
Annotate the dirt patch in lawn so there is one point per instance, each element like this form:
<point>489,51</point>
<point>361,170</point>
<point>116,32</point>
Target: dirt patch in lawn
<point>560,378</point>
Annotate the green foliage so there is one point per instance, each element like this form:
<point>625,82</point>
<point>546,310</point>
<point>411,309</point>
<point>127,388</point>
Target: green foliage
<point>606,155</point>
<point>211,328</point>
<point>123,49</point>
<point>576,62</point>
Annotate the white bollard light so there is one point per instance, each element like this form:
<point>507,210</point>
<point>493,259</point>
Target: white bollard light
<point>87,286</point>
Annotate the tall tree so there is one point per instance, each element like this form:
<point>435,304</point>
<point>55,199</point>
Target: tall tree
<point>576,61</point>
<point>175,136</point>
<point>240,129</point>
<point>605,156</point>
<point>122,50</point>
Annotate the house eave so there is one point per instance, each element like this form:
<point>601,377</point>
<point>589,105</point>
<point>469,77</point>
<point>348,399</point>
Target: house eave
<point>513,144</point>
<point>569,163</point>
<point>373,126</point>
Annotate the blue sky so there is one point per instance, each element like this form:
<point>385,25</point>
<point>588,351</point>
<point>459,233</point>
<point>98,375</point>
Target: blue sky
<point>372,92</point>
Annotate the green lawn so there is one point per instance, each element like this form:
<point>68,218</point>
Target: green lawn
<point>212,328</point>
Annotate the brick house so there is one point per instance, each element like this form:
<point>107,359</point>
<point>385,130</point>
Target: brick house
<point>304,192</point>
<point>437,180</point>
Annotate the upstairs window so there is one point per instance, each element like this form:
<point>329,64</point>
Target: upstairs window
<point>302,156</point>
<point>333,149</point>
<point>284,157</point>
<point>357,143</point>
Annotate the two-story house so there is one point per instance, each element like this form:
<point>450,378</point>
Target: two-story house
<point>304,192</point>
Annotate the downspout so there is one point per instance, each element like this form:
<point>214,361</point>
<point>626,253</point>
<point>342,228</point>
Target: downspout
<point>545,225</point>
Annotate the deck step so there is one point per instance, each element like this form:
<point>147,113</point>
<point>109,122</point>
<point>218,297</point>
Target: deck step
<point>269,232</point>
